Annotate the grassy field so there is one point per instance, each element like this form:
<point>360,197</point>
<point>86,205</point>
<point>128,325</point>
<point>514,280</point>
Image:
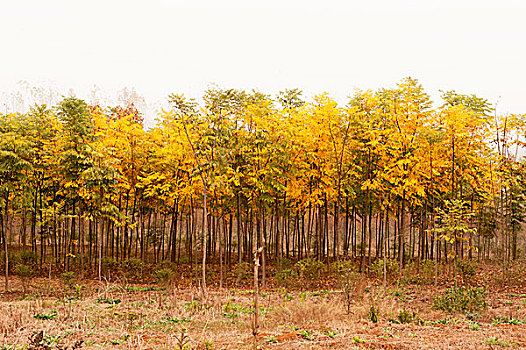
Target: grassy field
<point>311,314</point>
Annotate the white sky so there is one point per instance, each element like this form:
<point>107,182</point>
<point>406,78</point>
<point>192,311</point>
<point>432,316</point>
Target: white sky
<point>165,46</point>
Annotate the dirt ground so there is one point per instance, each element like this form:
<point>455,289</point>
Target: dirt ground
<point>94,315</point>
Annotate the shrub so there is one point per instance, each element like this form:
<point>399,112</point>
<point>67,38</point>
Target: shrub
<point>405,316</point>
<point>164,276</point>
<point>392,267</point>
<point>133,268</point>
<point>25,272</point>
<point>309,268</point>
<point>68,278</point>
<point>467,268</point>
<point>461,299</point>
<point>284,264</point>
<point>420,272</point>
<point>286,278</point>
<point>110,265</point>
<point>242,271</point>
<point>28,257</point>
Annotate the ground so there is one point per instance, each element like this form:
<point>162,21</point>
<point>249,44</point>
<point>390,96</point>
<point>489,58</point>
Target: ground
<point>119,315</point>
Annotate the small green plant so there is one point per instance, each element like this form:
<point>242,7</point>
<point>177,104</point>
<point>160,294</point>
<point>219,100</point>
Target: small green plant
<point>506,320</point>
<point>474,326</point>
<point>121,340</point>
<point>108,301</point>
<point>46,316</point>
<point>133,268</point>
<point>68,278</point>
<point>209,345</point>
<point>405,316</point>
<point>132,289</point>
<point>391,266</point>
<point>242,271</point>
<point>306,334</point>
<point>164,276</point>
<point>183,340</point>
<point>330,333</point>
<point>168,319</point>
<point>373,314</point>
<point>196,306</point>
<point>498,342</point>
<point>271,339</point>
<point>357,340</point>
<point>461,299</point>
<point>467,268</point>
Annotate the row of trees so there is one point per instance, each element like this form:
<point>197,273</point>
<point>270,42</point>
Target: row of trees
<point>388,174</point>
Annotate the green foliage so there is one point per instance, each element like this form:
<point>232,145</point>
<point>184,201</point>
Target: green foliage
<point>164,276</point>
<point>498,342</point>
<point>108,301</point>
<point>422,272</point>
<point>357,340</point>
<point>68,278</point>
<point>461,299</point>
<point>271,339</point>
<point>133,268</point>
<point>405,316</point>
<point>373,314</point>
<point>46,316</point>
<point>306,334</point>
<point>506,320</point>
<point>242,271</point>
<point>309,268</point>
<point>24,271</point>
<point>28,257</point>
<point>467,268</point>
<point>392,268</point>
<point>286,278</point>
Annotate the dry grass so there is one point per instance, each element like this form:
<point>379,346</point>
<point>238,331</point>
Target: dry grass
<point>135,317</point>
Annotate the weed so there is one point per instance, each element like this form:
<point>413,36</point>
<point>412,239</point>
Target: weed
<point>309,268</point>
<point>405,316</point>
<point>208,344</point>
<point>357,340</point>
<point>474,326</point>
<point>506,320</point>
<point>497,341</point>
<point>44,316</point>
<point>196,306</point>
<point>391,266</point>
<point>331,334</point>
<point>373,314</point>
<point>164,276</point>
<point>183,341</point>
<point>271,339</point>
<point>131,289</point>
<point>286,278</point>
<point>242,271</point>
<point>68,278</point>
<point>108,301</point>
<point>175,320</point>
<point>458,299</point>
<point>120,341</point>
<point>306,334</point>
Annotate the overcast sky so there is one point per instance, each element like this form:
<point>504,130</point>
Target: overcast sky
<point>164,46</point>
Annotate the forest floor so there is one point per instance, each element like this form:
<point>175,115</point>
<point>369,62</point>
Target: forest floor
<point>118,315</point>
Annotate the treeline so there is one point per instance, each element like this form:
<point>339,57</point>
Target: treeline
<point>388,174</point>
